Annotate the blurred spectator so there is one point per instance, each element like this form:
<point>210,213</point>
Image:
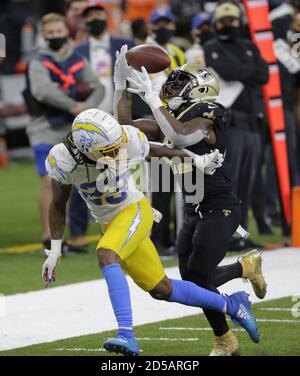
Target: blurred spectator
<point>60,85</point>
<point>201,32</point>
<point>286,40</point>
<point>162,27</point>
<point>139,31</point>
<point>114,11</point>
<point>182,37</point>
<point>237,59</point>
<point>13,18</point>
<point>281,14</point>
<point>75,20</point>
<point>100,49</point>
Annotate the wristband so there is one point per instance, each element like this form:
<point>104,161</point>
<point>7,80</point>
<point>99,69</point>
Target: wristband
<point>56,246</point>
<point>120,85</point>
<point>155,103</point>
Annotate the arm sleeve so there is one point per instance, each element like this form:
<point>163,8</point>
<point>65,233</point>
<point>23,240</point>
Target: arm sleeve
<point>98,94</point>
<point>178,140</point>
<point>45,90</point>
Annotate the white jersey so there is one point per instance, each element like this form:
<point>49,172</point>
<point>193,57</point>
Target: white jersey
<point>119,190</point>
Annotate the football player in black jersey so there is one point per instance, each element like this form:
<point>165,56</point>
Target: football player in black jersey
<point>191,118</point>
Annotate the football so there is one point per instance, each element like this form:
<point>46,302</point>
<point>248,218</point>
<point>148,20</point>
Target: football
<point>153,58</point>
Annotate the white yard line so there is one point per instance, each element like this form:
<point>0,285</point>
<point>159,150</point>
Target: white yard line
<point>278,309</point>
<point>79,349</point>
<point>84,308</point>
<point>183,329</point>
<point>280,321</point>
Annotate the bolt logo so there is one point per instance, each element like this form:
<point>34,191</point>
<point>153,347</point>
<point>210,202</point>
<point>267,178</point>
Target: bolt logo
<point>2,46</point>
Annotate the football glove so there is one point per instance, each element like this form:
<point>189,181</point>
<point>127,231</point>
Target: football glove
<point>208,163</point>
<point>142,86</point>
<point>48,270</point>
<point>122,69</point>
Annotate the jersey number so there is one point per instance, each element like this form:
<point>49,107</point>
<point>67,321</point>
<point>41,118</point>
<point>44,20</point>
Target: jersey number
<point>90,193</point>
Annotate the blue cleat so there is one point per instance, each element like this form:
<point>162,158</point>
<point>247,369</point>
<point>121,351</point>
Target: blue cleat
<point>122,345</point>
<point>238,307</point>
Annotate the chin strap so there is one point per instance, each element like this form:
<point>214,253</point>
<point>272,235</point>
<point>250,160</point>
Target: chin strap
<point>175,102</point>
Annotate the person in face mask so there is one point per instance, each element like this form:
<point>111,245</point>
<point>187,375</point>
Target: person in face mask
<point>100,48</point>
<point>238,61</point>
<point>56,36</point>
<point>201,32</point>
<point>227,25</point>
<point>96,21</point>
<point>161,30</point>
<point>162,26</point>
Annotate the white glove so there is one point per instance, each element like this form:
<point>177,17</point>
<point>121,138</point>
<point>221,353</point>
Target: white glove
<point>208,163</point>
<point>143,87</point>
<point>122,69</point>
<point>48,271</point>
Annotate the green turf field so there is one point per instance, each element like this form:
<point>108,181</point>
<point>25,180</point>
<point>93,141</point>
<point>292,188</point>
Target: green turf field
<point>277,338</point>
<point>19,225</point>
<point>19,219</point>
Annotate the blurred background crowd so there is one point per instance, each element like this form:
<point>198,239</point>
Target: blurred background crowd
<point>59,61</point>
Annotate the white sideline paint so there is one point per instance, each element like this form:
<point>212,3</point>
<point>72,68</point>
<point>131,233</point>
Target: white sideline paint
<point>183,329</point>
<point>276,309</point>
<point>79,349</point>
<point>84,308</point>
<point>279,321</point>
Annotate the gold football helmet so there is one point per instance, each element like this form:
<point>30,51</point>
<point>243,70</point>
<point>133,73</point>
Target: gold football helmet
<point>190,83</point>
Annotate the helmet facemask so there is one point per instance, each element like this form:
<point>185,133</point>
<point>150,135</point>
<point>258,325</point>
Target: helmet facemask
<point>116,151</point>
<point>184,87</point>
<point>177,88</point>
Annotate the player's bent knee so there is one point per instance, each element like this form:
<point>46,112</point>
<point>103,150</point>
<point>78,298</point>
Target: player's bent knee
<point>163,290</point>
<point>107,257</point>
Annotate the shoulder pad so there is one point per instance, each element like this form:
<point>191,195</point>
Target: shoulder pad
<point>138,145</point>
<point>210,111</point>
<point>60,163</point>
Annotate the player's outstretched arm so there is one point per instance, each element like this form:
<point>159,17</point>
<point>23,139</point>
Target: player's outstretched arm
<point>207,163</point>
<point>122,70</point>
<point>122,111</point>
<point>179,133</point>
<point>57,221</point>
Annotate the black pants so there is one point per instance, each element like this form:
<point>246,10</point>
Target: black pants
<point>202,245</point>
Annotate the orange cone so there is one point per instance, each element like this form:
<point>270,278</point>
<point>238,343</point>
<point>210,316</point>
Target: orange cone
<point>296,217</point>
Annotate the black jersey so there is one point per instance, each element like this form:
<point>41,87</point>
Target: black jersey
<point>218,192</point>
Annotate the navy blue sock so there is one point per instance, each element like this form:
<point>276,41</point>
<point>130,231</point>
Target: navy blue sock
<point>188,293</point>
<point>120,298</point>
